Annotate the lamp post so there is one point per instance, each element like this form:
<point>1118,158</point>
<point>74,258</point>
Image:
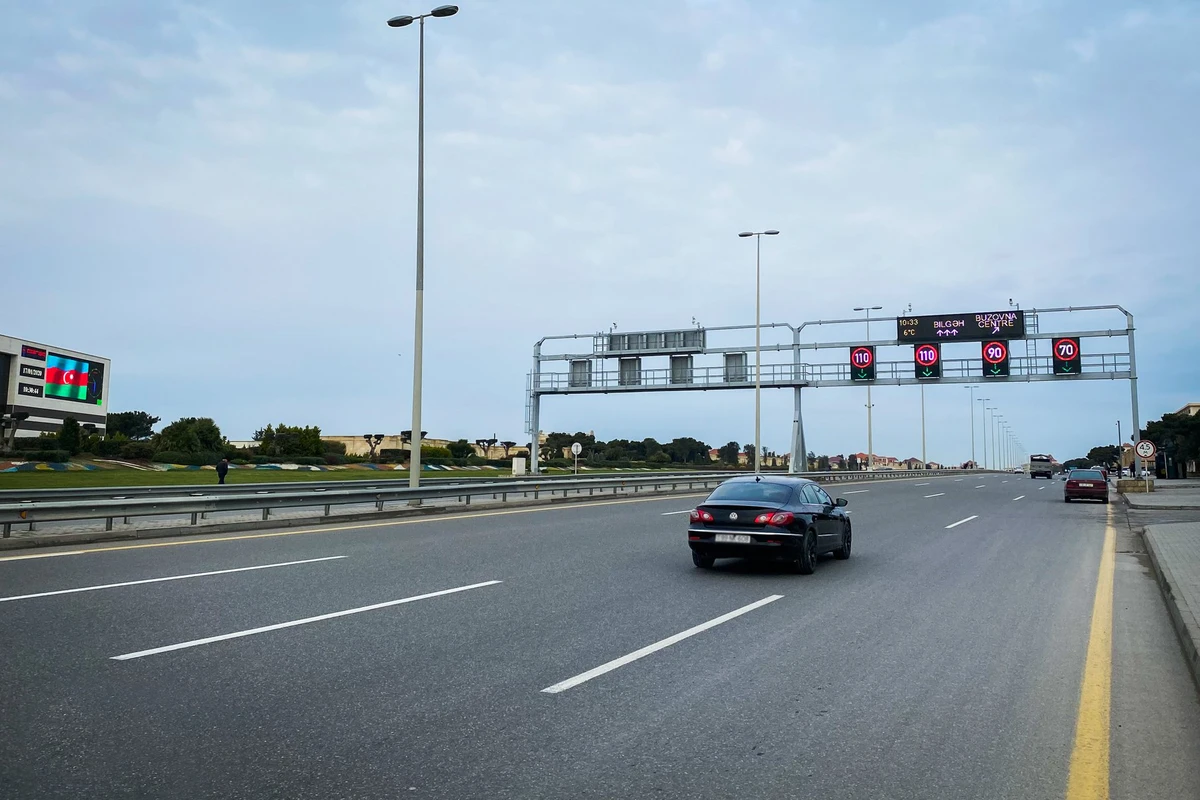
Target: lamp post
<point>414,477</point>
<point>983,419</point>
<point>996,439</point>
<point>870,429</point>
<point>758,342</point>
<point>972,387</point>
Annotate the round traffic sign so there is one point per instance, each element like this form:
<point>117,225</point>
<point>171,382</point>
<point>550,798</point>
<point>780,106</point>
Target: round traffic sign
<point>862,357</point>
<point>1145,449</point>
<point>927,355</point>
<point>1066,349</point>
<point>995,352</point>
<point>576,448</point>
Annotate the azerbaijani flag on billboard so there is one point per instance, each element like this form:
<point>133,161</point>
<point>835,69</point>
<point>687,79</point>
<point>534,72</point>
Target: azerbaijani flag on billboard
<point>66,378</point>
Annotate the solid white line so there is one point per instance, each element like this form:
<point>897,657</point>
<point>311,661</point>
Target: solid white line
<point>669,513</point>
<point>856,491</point>
<point>1022,497</point>
<point>1040,488</point>
<point>980,486</point>
<point>295,622</point>
<point>920,484</point>
<point>961,521</point>
<point>170,578</point>
<point>939,494</point>
<point>583,677</point>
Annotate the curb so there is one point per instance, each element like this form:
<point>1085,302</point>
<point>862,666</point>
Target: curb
<point>93,537</point>
<point>1144,507</point>
<point>1187,628</point>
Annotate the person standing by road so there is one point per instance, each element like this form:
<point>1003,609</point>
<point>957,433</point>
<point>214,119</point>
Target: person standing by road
<point>222,470</point>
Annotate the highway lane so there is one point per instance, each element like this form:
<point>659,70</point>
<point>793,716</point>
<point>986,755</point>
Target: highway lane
<point>935,662</point>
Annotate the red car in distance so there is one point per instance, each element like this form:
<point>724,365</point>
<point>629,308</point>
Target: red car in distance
<point>1085,484</point>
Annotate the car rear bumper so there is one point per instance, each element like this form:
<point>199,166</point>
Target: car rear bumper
<point>762,544</point>
<point>1086,494</point>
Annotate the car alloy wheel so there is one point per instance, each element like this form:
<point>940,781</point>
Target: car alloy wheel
<point>806,560</point>
<point>843,552</point>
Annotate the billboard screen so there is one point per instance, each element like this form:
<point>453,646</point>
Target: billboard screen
<point>74,379</point>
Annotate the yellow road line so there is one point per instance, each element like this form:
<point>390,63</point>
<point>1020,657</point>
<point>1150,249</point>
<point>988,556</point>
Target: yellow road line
<point>327,529</point>
<point>1089,774</point>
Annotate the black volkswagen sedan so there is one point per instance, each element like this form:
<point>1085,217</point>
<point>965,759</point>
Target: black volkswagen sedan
<point>768,517</point>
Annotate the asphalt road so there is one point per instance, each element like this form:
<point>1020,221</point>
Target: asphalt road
<point>936,662</point>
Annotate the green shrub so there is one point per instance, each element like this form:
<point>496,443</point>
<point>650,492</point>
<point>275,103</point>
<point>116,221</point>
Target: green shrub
<point>70,438</point>
<point>241,462</point>
<point>561,463</point>
<point>393,455</point>
<point>476,461</point>
<point>659,458</point>
<point>334,448</point>
<point>308,461</point>
<point>191,459</point>
<point>56,456</point>
<point>335,458</point>
<point>139,451</point>
<point>428,452</point>
<point>108,448</point>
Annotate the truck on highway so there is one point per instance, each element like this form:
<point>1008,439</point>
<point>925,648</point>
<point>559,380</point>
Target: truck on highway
<point>1041,467</point>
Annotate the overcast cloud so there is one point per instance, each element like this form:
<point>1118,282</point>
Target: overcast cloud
<point>219,196</point>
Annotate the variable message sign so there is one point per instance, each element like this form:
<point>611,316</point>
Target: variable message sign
<point>995,359</point>
<point>1067,356</point>
<point>961,327</point>
<point>927,361</point>
<point>862,363</point>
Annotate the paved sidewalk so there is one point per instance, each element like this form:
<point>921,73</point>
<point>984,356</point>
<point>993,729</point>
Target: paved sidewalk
<point>1175,553</point>
<point>1179,498</point>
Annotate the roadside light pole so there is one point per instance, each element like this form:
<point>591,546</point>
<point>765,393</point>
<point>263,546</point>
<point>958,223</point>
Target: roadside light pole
<point>983,419</point>
<point>870,429</point>
<point>972,387</point>
<point>414,460</point>
<point>995,440</point>
<point>924,458</point>
<point>758,342</point>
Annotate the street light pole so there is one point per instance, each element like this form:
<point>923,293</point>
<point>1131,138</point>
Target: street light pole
<point>758,343</point>
<point>995,440</point>
<point>972,408</point>
<point>870,428</point>
<point>983,415</point>
<point>414,460</point>
<point>924,459</point>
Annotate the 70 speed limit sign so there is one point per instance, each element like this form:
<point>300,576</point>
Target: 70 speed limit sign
<point>1145,449</point>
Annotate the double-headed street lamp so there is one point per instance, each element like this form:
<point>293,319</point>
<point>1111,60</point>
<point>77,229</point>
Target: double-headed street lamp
<point>414,461</point>
<point>758,344</point>
<point>870,429</point>
<point>972,387</point>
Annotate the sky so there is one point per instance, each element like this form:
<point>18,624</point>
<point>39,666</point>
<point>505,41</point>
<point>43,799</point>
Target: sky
<point>220,197</point>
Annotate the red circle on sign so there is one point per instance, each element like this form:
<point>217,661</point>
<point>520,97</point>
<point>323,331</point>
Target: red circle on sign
<point>1069,343</point>
<point>927,355</point>
<point>868,358</point>
<point>999,358</point>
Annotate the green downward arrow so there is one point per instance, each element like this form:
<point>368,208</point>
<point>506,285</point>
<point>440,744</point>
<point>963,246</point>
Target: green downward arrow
<point>996,370</point>
<point>927,372</point>
<point>1065,368</point>
<point>862,374</point>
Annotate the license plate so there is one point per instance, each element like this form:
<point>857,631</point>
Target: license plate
<point>1086,485</point>
<point>732,538</point>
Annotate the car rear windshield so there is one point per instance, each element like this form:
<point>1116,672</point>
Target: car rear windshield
<point>761,491</point>
<point>1085,474</point>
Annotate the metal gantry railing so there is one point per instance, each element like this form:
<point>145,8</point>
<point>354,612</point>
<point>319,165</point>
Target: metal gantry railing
<point>198,501</point>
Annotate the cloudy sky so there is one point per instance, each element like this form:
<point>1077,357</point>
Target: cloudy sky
<point>220,197</point>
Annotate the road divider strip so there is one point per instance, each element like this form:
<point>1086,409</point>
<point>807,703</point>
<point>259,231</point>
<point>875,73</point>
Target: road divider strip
<point>279,626</point>
<point>961,521</point>
<point>920,484</point>
<point>980,486</point>
<point>1020,497</point>
<point>856,491</point>
<point>168,578</point>
<point>616,663</point>
<point>939,494</point>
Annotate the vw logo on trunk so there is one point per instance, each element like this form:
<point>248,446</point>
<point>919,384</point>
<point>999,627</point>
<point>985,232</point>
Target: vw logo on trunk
<point>733,515</point>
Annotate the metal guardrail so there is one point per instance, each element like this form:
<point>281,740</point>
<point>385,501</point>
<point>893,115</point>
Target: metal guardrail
<point>199,489</point>
<point>245,498</point>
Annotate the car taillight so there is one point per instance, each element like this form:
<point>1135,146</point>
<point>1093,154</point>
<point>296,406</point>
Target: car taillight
<point>1072,484</point>
<point>762,519</point>
<point>780,518</point>
<point>695,515</point>
<point>699,514</point>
